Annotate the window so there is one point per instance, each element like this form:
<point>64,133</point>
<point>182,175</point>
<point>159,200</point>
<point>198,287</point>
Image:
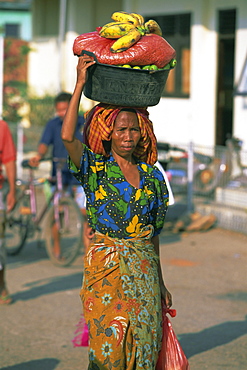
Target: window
<point>176,30</point>
<point>12,30</point>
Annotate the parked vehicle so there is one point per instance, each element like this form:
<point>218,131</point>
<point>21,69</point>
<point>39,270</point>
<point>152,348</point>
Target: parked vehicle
<point>209,172</point>
<point>236,171</point>
<point>175,162</point>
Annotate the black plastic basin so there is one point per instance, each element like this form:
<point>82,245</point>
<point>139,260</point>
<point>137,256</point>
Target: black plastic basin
<point>124,86</point>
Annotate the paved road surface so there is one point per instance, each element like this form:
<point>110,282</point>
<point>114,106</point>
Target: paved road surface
<point>206,273</point>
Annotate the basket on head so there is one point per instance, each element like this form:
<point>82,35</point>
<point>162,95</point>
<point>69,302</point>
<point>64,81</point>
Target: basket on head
<point>124,86</point>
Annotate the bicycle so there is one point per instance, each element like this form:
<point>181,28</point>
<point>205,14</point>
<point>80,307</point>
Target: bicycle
<point>25,220</point>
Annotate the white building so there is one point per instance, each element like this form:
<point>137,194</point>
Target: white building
<point>15,19</point>
<point>210,37</point>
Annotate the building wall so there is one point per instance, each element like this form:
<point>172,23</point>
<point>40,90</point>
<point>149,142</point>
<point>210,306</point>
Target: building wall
<point>82,19</point>
<point>23,18</point>
<point>194,118</point>
<point>240,102</point>
<point>45,18</point>
<point>53,66</point>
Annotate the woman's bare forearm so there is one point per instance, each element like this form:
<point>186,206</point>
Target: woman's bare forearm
<point>71,116</point>
<point>72,144</point>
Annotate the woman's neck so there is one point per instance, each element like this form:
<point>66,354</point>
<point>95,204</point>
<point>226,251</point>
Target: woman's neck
<point>123,161</point>
<point>129,169</point>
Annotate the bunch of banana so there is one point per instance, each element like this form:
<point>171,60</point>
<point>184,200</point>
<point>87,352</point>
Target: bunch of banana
<point>152,26</point>
<point>127,28</point>
<point>126,41</point>
<point>135,19</point>
<point>115,30</point>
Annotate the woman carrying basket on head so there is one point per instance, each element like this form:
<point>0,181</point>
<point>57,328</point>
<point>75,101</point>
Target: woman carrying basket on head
<point>127,200</point>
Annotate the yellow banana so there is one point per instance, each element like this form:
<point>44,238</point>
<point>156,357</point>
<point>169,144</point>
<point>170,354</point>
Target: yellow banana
<point>109,24</point>
<point>125,17</point>
<point>116,30</point>
<point>126,41</point>
<point>139,17</point>
<point>153,27</point>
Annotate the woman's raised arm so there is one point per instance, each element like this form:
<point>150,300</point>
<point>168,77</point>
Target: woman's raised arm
<point>72,144</point>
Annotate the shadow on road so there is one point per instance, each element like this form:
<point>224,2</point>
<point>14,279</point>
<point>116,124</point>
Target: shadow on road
<point>32,251</point>
<point>47,364</point>
<point>207,339</point>
<point>167,237</point>
<point>176,211</point>
<point>235,296</point>
<point>49,286</point>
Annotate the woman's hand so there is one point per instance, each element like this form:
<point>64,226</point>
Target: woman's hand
<point>166,296</point>
<point>84,62</point>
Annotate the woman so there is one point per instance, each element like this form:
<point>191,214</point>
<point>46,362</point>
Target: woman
<point>126,203</point>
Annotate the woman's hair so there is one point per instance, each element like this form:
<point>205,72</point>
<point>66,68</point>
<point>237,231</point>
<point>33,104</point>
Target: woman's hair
<point>128,110</point>
<point>99,126</point>
<point>107,146</point>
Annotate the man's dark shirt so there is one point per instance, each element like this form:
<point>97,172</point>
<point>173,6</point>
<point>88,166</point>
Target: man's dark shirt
<point>52,136</point>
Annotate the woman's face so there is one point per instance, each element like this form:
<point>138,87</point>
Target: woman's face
<point>126,134</point>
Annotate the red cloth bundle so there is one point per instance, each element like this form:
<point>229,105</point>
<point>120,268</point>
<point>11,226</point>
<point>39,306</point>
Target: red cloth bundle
<point>150,49</point>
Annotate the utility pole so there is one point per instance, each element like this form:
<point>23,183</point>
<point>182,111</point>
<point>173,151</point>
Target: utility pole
<point>61,34</point>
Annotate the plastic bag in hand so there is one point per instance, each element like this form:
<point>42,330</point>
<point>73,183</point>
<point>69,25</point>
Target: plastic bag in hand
<point>81,338</point>
<point>171,356</point>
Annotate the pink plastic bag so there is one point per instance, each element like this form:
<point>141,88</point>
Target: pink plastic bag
<point>171,356</point>
<point>81,338</point>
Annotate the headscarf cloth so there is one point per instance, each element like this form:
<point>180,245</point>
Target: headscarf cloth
<point>98,127</point>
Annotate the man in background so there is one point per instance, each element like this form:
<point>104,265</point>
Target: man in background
<point>52,137</point>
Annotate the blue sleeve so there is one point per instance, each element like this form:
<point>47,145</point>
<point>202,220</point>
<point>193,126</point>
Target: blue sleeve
<point>81,121</point>
<point>47,136</point>
<point>79,129</point>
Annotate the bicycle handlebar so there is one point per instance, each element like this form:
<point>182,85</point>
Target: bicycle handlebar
<point>25,163</point>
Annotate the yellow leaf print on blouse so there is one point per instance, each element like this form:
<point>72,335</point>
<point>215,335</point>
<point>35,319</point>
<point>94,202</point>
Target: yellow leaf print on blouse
<point>93,168</point>
<point>144,167</point>
<point>134,226</point>
<point>147,191</point>
<point>99,166</point>
<point>100,193</point>
<point>138,194</point>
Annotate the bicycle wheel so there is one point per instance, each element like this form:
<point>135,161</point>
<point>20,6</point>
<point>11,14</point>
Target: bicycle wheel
<point>16,226</point>
<point>69,231</point>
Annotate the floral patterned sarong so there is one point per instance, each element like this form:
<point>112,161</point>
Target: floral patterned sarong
<point>121,302</point>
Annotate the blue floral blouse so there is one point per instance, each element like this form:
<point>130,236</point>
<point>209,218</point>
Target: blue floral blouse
<point>115,207</point>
